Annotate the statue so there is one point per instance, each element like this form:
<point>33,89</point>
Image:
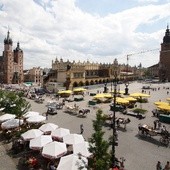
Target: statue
<point>126,89</point>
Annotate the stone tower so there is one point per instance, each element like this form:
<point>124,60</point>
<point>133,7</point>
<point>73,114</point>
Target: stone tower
<point>164,63</point>
<point>11,63</point>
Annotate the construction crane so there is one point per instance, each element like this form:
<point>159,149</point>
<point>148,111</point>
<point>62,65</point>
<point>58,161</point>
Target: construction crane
<point>127,69</point>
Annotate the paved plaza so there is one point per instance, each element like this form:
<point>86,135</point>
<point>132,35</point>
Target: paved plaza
<point>141,153</point>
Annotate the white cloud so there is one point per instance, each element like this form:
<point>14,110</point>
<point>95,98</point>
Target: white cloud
<point>150,1</point>
<point>47,29</point>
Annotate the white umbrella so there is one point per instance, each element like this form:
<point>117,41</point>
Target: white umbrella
<point>6,117</point>
<point>82,148</point>
<point>73,139</point>
<point>31,134</point>
<point>54,150</point>
<point>72,162</point>
<point>12,123</point>
<point>48,127</point>
<point>36,119</point>
<point>60,133</point>
<point>39,142</point>
<point>30,114</point>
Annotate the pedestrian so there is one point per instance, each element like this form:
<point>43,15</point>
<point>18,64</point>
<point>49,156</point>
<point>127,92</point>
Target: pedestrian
<point>158,166</point>
<point>81,129</point>
<point>155,124</point>
<point>46,115</point>
<point>167,166</point>
<point>163,129</point>
<point>159,125</point>
<point>167,92</point>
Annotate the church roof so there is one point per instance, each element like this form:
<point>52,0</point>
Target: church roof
<point>166,38</point>
<point>8,40</point>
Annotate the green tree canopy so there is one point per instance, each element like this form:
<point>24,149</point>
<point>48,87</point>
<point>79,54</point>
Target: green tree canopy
<point>98,146</point>
<point>13,103</point>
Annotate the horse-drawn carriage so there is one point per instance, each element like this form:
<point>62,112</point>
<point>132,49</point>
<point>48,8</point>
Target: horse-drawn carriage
<point>38,99</point>
<point>76,110</point>
<point>146,130</point>
<point>83,112</point>
<point>55,104</point>
<point>72,109</point>
<point>118,120</point>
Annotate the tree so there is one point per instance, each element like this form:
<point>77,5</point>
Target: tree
<point>98,146</point>
<point>13,103</point>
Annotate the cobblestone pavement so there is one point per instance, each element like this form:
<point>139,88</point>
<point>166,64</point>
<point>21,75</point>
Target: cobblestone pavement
<point>140,153</point>
<point>6,162</point>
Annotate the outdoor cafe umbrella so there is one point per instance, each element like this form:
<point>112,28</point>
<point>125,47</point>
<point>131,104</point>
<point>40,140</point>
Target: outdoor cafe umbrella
<point>60,133</point>
<point>31,134</point>
<point>168,99</point>
<point>6,117</point>
<point>82,148</point>
<point>12,123</point>
<point>39,142</point>
<point>102,95</point>
<point>130,99</point>
<point>164,107</point>
<point>79,90</point>
<point>72,162</point>
<point>139,95</point>
<point>30,114</point>
<point>36,119</point>
<point>161,103</point>
<point>120,100</point>
<point>54,150</point>
<point>73,139</point>
<point>48,127</point>
<point>65,92</point>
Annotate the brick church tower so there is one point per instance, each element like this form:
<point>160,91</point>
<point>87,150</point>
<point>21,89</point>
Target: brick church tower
<point>11,63</point>
<point>164,63</point>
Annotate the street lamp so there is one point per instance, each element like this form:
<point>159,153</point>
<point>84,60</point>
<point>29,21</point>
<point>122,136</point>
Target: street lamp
<point>114,139</point>
<point>126,81</point>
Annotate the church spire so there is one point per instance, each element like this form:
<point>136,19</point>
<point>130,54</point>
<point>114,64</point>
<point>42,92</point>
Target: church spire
<point>166,38</point>
<point>8,40</point>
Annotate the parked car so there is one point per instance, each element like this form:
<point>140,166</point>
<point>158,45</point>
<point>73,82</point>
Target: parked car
<point>52,110</point>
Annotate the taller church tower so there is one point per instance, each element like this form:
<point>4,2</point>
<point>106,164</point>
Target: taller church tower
<point>164,63</point>
<point>11,63</point>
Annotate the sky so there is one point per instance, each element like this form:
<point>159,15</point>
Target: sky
<point>85,30</point>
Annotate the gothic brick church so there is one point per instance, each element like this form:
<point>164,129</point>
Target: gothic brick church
<point>11,63</point>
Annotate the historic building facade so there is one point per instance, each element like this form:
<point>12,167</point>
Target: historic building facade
<point>11,63</point>
<point>34,76</point>
<point>74,74</point>
<point>153,71</point>
<point>164,63</point>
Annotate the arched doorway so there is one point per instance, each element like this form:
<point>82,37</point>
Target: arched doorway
<point>75,84</point>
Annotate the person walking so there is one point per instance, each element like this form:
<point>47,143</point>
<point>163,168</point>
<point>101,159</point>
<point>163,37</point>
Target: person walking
<point>158,166</point>
<point>155,124</point>
<point>46,115</point>
<point>159,125</point>
<point>167,166</point>
<point>81,129</point>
